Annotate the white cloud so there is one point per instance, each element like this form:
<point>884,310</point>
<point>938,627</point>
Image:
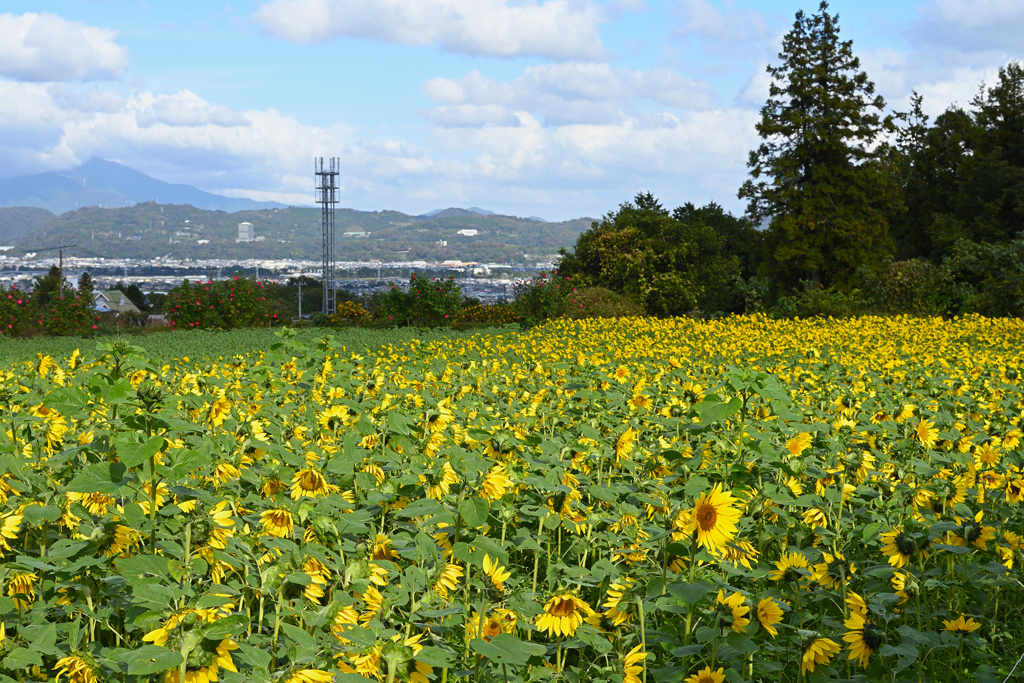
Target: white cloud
<point>561,94</point>
<point>46,47</point>
<point>972,25</point>
<point>182,109</point>
<point>729,26</point>
<point>958,88</point>
<point>557,29</point>
<point>511,162</point>
<point>887,69</point>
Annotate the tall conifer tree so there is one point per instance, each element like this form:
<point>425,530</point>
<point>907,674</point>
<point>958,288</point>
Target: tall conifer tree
<point>822,176</point>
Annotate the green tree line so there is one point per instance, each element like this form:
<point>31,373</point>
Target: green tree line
<point>850,208</point>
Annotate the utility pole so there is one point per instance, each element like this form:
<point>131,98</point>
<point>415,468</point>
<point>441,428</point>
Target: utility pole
<point>300,299</point>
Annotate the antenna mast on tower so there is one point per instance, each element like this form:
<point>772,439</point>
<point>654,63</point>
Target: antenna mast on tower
<point>326,196</point>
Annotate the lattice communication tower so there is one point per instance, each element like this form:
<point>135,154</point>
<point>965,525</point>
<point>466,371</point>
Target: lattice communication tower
<point>327,197</point>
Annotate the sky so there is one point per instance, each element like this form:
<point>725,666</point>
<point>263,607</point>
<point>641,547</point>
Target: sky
<point>551,108</point>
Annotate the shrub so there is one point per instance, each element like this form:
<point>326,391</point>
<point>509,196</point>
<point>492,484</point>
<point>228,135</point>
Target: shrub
<point>599,302</point>
<point>428,303</point>
<point>70,313</point>
<point>225,304</point>
<point>15,311</point>
<point>914,287</point>
<point>540,299</point>
<point>816,301</point>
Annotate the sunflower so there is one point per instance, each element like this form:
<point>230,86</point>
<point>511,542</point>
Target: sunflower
<point>973,533</point>
<point>814,518</point>
<point>277,522</point>
<point>706,675</point>
<point>399,654</point>
<point>318,576</point>
<point>899,546</point>
<point>563,614</point>
<point>616,592</point>
<point>500,621</point>
<point>311,676</point>
<point>333,419</point>
<point>9,529</point>
<point>927,433</point>
<point>833,571</point>
<point>438,484</point>
<point>621,374</point>
<point>496,483</point>
<point>791,567</point>
<point>864,638</point>
<point>960,626</point>
<point>205,662</point>
<point>449,580</point>
<point>818,652</point>
<point>905,586</point>
<point>632,668</point>
<point>625,443</point>
<point>799,443</point>
<point>769,613</point>
<point>738,553</point>
<point>735,611</point>
<point>21,588</point>
<point>220,409</point>
<point>438,419</point>
<point>496,573</point>
<point>714,518</point>
<point>309,482</point>
<point>76,669</point>
<point>383,549</point>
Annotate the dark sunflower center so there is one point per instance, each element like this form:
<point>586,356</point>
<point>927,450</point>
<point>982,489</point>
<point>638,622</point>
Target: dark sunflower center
<point>905,544</point>
<point>563,608</point>
<point>971,533</point>
<point>839,569</point>
<point>872,638</point>
<point>707,517</point>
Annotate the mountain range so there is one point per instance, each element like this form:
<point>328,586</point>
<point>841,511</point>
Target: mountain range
<point>107,184</point>
<point>122,213</point>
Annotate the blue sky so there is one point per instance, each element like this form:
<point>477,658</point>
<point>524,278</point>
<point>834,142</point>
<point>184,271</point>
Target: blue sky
<point>557,108</point>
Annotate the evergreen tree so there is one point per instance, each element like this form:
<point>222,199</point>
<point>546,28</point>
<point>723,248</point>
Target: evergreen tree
<point>85,282</point>
<point>820,177</point>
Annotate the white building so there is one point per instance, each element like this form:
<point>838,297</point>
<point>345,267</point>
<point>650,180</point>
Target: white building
<point>245,233</point>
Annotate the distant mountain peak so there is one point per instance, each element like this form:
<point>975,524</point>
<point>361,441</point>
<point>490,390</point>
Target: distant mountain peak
<point>456,211</point>
<point>99,182</point>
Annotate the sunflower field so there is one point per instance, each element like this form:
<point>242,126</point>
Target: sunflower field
<point>614,500</point>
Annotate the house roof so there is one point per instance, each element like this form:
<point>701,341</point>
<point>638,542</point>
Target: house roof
<point>114,300</point>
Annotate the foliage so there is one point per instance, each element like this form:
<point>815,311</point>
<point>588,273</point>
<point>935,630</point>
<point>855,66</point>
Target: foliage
<point>815,301</point>
<point>963,175</point>
<point>594,500</point>
<point>542,298</point>
<point>598,302</point>
<point>224,304</point>
<point>15,311</point>
<point>429,302</point>
<point>914,287</point>
<point>68,313</point>
<point>992,275</point>
<point>667,264</point>
<point>821,176</point>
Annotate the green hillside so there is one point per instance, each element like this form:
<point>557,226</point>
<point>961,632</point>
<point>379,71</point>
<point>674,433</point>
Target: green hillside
<point>18,221</point>
<point>151,230</point>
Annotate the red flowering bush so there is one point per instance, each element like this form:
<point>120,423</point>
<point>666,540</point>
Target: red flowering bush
<point>225,304</point>
<point>15,311</point>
